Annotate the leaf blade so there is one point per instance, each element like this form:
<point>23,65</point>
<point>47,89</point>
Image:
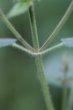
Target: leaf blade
<point>17,9</point>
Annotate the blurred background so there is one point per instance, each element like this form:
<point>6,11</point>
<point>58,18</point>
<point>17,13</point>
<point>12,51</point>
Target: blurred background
<point>19,83</point>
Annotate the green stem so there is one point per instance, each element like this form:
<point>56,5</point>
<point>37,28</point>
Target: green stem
<point>17,46</point>
<point>38,61</point>
<point>64,101</point>
<point>50,49</point>
<point>36,53</point>
<point>65,92</point>
<point>14,31</point>
<point>59,26</point>
<point>70,101</point>
<point>33,27</point>
<point>43,82</point>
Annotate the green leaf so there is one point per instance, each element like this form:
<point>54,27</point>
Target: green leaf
<point>6,42</point>
<point>68,42</point>
<point>18,8</point>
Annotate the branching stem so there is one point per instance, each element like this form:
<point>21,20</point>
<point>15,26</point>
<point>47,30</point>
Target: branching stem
<point>38,60</point>
<point>37,53</point>
<point>59,26</point>
<point>14,31</point>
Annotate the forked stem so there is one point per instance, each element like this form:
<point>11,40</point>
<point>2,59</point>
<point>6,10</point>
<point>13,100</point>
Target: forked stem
<point>14,31</point>
<point>38,61</point>
<point>34,54</point>
<point>58,27</point>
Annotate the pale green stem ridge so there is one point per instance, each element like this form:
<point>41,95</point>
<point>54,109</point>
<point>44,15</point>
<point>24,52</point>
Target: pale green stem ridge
<point>59,26</point>
<point>38,60</point>
<point>37,53</point>
<point>14,31</point>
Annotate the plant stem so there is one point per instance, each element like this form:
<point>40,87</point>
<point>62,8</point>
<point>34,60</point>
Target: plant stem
<point>33,27</point>
<point>36,53</point>
<point>14,31</point>
<point>70,101</point>
<point>50,49</point>
<point>15,45</point>
<point>38,61</point>
<point>59,26</point>
<point>43,82</point>
<point>64,101</point>
<point>65,92</point>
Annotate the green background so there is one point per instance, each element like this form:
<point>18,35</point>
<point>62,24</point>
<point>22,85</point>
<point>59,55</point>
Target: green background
<point>19,82</point>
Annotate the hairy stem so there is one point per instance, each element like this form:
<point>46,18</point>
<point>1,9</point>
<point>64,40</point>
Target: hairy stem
<point>14,31</point>
<point>59,26</point>
<point>38,61</point>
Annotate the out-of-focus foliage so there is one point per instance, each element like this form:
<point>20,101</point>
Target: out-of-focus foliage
<point>68,42</point>
<point>6,42</point>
